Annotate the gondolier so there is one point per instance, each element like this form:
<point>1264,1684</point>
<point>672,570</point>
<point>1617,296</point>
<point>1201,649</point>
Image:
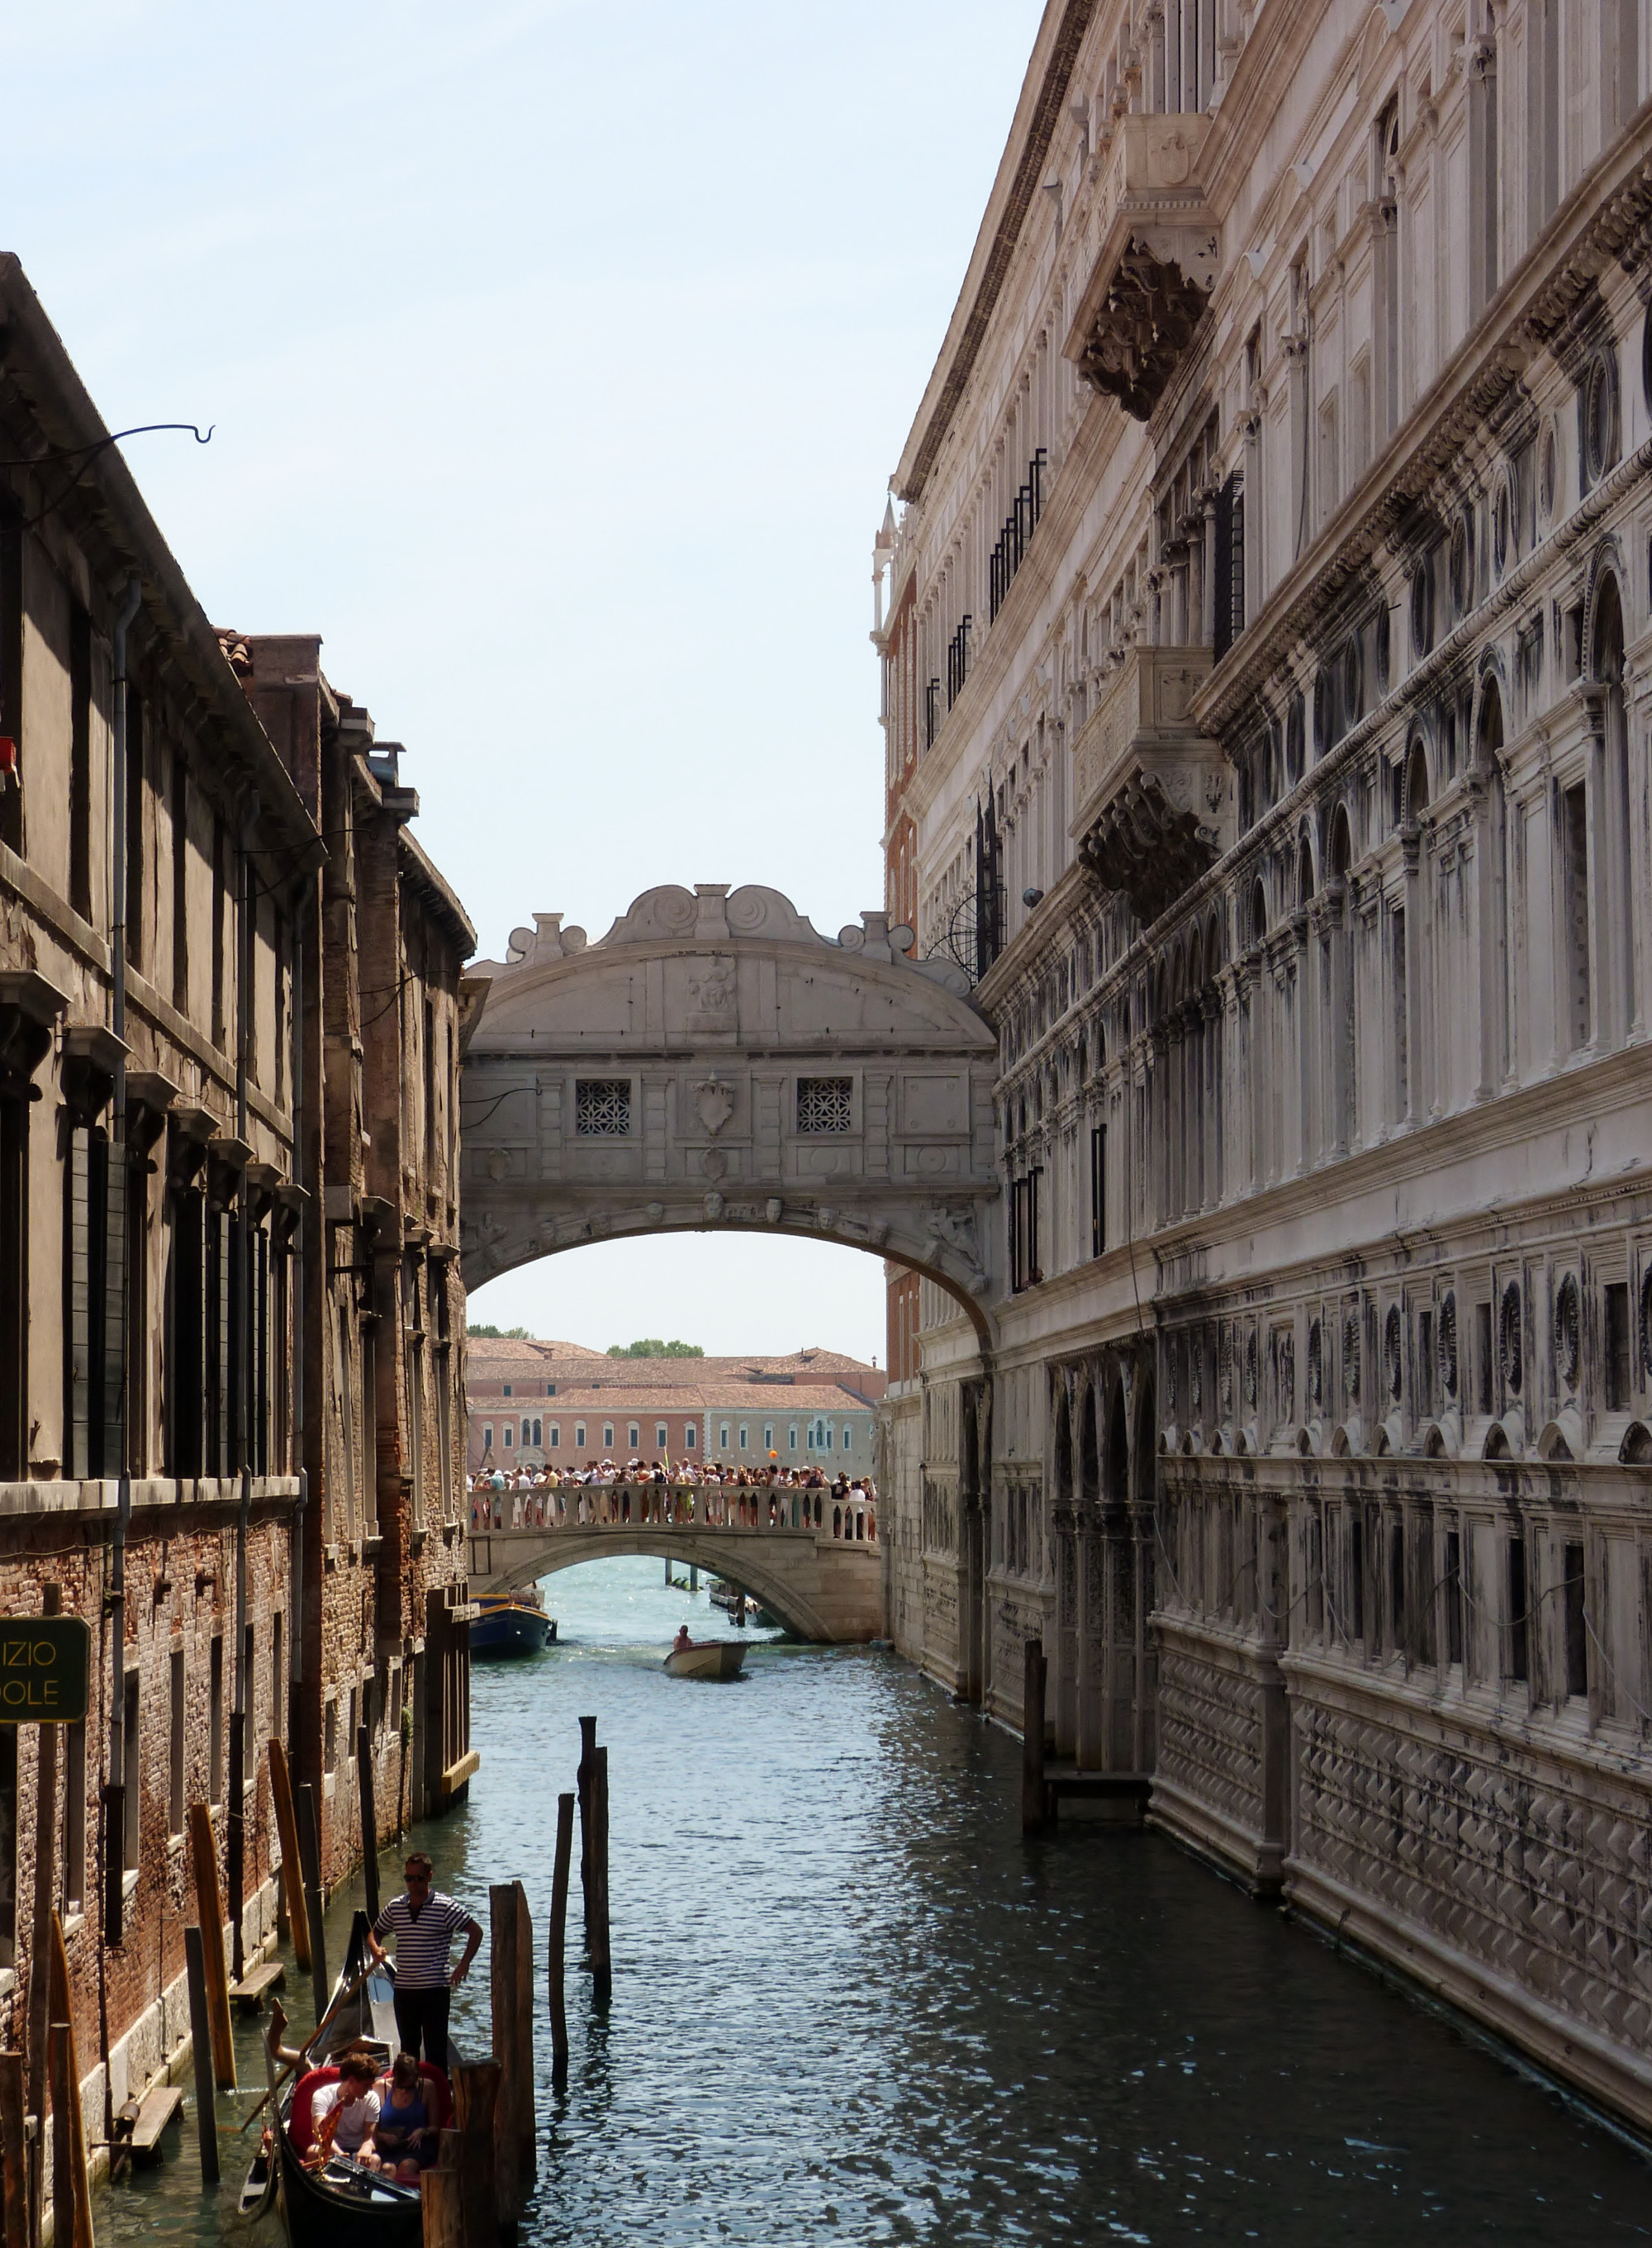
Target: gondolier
<point>423,1924</point>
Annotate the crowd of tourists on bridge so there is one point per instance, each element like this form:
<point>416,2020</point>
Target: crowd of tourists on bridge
<point>684,1495</point>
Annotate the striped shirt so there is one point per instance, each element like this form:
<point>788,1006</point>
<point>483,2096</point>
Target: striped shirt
<point>424,1939</point>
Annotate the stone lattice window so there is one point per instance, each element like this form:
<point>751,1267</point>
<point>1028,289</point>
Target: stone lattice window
<point>824,1104</point>
<point>602,1108</point>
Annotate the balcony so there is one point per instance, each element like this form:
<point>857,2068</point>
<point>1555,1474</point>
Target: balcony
<point>1155,266</point>
<point>1154,795</point>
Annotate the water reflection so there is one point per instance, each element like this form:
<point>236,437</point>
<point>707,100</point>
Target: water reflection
<point>850,2005</point>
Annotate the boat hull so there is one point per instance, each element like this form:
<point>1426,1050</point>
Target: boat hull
<point>716,1658</point>
<point>512,1627</point>
<point>322,2213</point>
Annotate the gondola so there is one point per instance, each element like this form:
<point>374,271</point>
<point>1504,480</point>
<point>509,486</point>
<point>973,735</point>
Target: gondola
<point>342,2205</point>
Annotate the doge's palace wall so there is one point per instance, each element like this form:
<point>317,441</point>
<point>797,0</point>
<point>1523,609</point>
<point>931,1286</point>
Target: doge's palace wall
<point>1264,612</point>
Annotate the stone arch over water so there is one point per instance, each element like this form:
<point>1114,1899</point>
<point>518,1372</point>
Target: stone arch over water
<point>714,1064</point>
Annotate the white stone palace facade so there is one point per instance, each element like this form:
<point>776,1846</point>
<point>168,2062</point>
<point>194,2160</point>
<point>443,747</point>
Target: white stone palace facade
<point>1264,617</point>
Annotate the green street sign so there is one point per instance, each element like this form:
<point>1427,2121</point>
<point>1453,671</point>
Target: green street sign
<point>46,1665</point>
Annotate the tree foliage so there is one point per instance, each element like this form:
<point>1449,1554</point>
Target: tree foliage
<point>502,1334</point>
<point>651,1347</point>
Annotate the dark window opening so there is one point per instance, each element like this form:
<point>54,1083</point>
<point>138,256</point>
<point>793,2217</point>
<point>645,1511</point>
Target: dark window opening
<point>1519,1629</point>
<point>1574,839</point>
<point>1396,1585</point>
<point>136,876</point>
<point>1577,1653</point>
<point>80,764</point>
<point>1482,1354</point>
<point>1356,1589</point>
<point>1453,1596</point>
<point>1098,1189</point>
<point>1616,1341</point>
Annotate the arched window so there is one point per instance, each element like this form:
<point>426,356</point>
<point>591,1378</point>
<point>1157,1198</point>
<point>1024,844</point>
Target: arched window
<point>1303,870</point>
<point>1497,958</point>
<point>1259,928</point>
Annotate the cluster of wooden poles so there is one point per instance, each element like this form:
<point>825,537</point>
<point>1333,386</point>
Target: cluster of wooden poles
<point>49,2069</point>
<point>479,2183</point>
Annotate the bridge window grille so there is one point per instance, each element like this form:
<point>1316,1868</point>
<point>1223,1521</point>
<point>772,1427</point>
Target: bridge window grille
<point>824,1104</point>
<point>602,1108</point>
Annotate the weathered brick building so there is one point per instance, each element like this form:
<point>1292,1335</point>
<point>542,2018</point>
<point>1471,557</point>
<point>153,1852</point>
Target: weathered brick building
<point>384,1434</point>
<point>229,1057</point>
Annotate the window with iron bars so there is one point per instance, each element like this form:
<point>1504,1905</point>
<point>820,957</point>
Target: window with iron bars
<point>602,1108</point>
<point>1024,1270</point>
<point>958,661</point>
<point>1017,535</point>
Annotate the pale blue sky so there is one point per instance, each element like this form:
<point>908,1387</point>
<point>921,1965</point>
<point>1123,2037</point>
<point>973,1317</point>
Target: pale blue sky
<point>559,352</point>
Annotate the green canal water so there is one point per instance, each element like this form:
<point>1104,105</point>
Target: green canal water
<point>850,2006</point>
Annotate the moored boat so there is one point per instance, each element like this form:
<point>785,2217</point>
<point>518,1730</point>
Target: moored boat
<point>341,2205</point>
<point>712,1658</point>
<point>511,1623</point>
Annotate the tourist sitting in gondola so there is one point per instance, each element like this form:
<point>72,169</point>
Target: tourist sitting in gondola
<point>344,2115</point>
<point>404,2138</point>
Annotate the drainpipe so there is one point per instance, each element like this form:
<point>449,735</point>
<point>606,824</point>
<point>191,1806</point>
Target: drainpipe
<point>237,1838</point>
<point>114,1793</point>
<point>295,1631</point>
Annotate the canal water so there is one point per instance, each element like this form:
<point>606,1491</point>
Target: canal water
<point>852,2006</point>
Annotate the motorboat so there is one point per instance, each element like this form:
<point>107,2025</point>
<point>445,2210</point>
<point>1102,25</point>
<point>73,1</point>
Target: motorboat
<point>341,2205</point>
<point>711,1658</point>
<point>511,1623</point>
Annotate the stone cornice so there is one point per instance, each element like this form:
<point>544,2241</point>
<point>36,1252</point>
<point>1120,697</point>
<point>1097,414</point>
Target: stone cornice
<point>1610,204</point>
<point>1038,112</point>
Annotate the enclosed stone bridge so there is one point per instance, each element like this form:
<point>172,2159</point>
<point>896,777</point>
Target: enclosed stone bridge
<point>822,1583</point>
<point>714,1063</point>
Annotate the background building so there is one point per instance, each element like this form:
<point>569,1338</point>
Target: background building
<point>224,1162</point>
<point>534,1403</point>
<point>1261,636</point>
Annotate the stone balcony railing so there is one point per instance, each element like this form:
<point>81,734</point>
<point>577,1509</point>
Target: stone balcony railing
<point>675,1507</point>
<point>1156,261</point>
<point>1154,796</point>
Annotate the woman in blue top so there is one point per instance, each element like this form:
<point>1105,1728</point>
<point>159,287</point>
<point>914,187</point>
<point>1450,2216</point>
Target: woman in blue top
<point>404,2138</point>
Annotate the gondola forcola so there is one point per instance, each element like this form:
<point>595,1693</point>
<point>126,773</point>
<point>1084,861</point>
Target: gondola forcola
<point>341,2205</point>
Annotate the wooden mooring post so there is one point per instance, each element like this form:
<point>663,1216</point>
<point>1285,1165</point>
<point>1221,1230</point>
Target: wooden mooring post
<point>511,1960</point>
<point>46,1886</point>
<point>441,2197</point>
<point>309,1859</point>
<point>204,1849</point>
<point>588,1765</point>
<point>369,1820</point>
<point>291,1857</point>
<point>602,1955</point>
<point>14,2151</point>
<point>1032,1740</point>
<point>556,1964</point>
<point>206,2098</point>
<point>476,2096</point>
<point>70,2175</point>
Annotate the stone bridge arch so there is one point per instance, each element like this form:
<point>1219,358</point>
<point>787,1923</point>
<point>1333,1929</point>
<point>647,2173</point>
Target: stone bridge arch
<point>821,1589</point>
<point>713,1063</point>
